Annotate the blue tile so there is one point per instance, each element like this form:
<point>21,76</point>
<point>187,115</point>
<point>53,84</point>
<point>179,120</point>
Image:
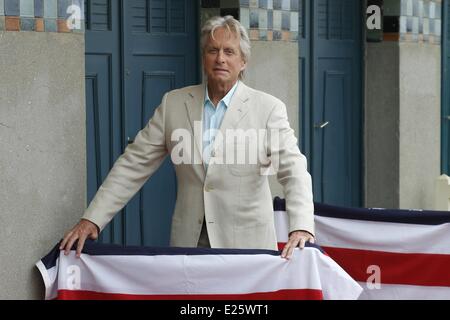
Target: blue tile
<point>12,8</point>
<point>285,20</point>
<point>409,24</point>
<point>50,9</point>
<point>27,8</point>
<point>426,9</point>
<point>263,35</point>
<point>2,6</point>
<point>294,5</point>
<point>244,3</point>
<point>438,10</point>
<point>254,18</point>
<point>270,19</point>
<point>62,8</point>
<point>262,19</point>
<point>26,24</point>
<point>263,4</point>
<point>38,8</point>
<point>277,35</point>
<point>415,8</point>
<point>277,4</point>
<point>286,4</point>
<point>50,25</point>
<point>294,36</point>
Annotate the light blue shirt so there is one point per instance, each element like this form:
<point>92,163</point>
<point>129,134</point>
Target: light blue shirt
<point>212,119</point>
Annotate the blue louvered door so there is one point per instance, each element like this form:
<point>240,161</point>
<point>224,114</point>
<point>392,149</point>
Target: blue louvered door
<point>332,117</point>
<point>146,48</point>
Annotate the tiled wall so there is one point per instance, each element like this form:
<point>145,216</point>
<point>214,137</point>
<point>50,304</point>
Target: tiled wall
<point>266,20</point>
<point>413,20</point>
<point>38,15</point>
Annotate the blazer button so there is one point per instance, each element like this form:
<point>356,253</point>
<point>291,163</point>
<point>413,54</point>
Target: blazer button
<point>208,188</point>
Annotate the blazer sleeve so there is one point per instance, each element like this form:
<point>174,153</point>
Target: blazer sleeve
<point>131,170</point>
<point>291,168</point>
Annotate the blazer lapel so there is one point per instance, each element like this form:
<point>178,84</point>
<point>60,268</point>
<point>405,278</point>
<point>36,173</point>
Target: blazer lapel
<point>237,110</point>
<point>194,107</point>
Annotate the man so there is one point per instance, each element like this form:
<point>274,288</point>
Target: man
<point>220,203</point>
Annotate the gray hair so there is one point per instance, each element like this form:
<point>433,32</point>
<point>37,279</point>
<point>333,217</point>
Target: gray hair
<point>233,26</point>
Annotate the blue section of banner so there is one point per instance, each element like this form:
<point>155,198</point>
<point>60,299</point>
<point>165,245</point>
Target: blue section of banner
<point>98,249</point>
<point>424,217</point>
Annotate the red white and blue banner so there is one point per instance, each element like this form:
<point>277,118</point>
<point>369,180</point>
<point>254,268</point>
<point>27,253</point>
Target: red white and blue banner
<point>393,254</point>
<point>116,272</point>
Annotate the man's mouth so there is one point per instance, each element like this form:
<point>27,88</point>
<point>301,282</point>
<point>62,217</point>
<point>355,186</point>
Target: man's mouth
<point>222,70</point>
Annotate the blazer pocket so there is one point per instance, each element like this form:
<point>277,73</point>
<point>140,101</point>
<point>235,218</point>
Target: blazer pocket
<point>242,170</point>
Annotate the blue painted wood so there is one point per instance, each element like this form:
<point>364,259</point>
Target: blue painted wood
<point>135,52</point>
<point>445,108</point>
<point>332,64</point>
<point>103,100</point>
<point>160,54</point>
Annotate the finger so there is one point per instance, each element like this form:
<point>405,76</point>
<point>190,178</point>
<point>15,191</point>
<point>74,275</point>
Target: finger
<point>302,243</point>
<point>80,244</point>
<point>312,240</point>
<point>66,238</point>
<point>291,250</point>
<point>70,243</point>
<point>285,249</point>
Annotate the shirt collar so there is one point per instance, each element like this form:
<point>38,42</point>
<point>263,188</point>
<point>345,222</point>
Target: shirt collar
<point>227,99</point>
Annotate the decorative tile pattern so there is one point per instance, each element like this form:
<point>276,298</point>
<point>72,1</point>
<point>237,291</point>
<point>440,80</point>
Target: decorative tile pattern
<point>412,21</point>
<point>40,15</point>
<point>265,20</point>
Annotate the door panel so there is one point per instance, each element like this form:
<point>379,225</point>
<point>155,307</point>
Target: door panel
<point>332,111</point>
<point>103,100</point>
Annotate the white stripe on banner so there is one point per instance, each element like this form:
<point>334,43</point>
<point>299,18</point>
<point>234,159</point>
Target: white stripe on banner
<point>390,260</point>
<point>404,292</point>
<point>383,236</point>
<point>205,275</point>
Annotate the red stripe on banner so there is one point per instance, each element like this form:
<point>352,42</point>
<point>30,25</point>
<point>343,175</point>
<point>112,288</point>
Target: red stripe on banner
<point>420,269</point>
<point>287,294</point>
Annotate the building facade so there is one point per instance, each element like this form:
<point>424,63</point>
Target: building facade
<point>80,78</point>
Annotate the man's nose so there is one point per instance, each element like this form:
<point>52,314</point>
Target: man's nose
<point>220,57</point>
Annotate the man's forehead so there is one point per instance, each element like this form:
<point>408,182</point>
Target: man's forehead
<point>228,34</point>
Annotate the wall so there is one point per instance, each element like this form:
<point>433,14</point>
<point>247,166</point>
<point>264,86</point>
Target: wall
<point>381,123</point>
<point>42,137</point>
<point>402,114</point>
<point>420,103</point>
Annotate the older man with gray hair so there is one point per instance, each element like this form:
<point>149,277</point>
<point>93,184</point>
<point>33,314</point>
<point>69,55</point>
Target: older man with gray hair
<point>221,203</point>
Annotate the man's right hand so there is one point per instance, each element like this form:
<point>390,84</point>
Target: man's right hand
<point>82,230</point>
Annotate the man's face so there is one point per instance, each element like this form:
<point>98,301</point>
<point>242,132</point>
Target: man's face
<point>222,59</point>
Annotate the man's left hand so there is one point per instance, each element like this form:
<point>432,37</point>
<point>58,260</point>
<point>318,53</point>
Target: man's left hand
<point>296,238</point>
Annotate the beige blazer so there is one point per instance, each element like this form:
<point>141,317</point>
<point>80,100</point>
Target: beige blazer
<point>232,196</point>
